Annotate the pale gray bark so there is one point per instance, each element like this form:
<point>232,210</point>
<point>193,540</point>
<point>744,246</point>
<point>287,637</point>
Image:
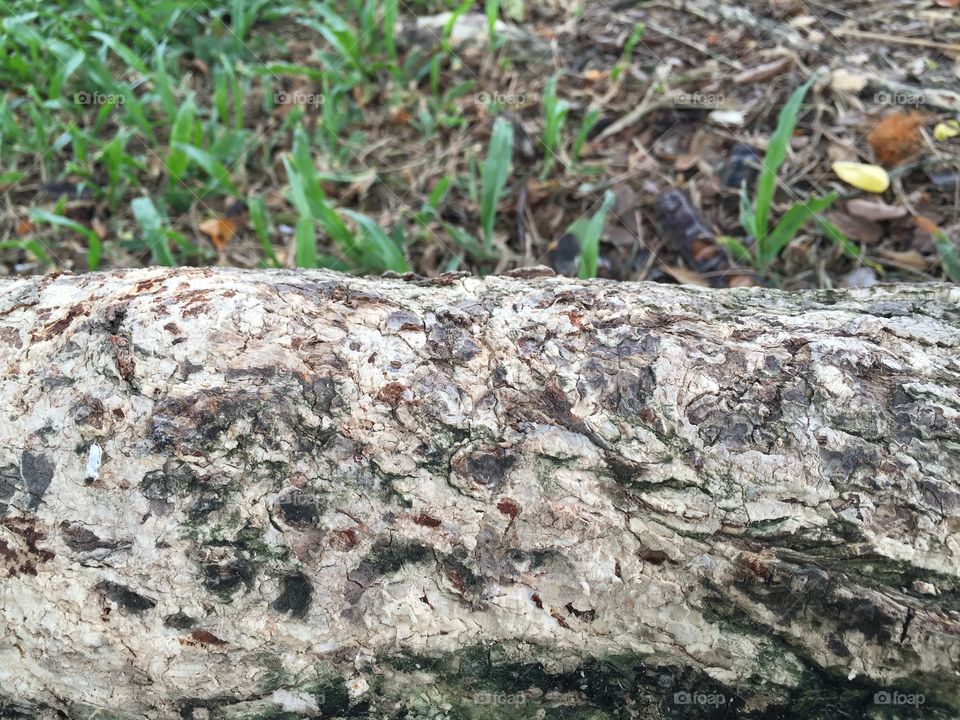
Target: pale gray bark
<point>298,494</point>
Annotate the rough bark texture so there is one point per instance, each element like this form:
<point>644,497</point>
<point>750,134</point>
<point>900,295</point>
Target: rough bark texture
<point>232,494</point>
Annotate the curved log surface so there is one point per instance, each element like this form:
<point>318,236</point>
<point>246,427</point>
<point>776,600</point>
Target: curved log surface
<point>253,494</point>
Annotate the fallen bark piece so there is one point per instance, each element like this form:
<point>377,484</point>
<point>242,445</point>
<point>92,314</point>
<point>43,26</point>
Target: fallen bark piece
<point>323,496</point>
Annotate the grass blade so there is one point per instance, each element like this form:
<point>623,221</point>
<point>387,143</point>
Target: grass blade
<point>94,246</point>
<point>776,153</point>
<point>305,243</point>
<point>150,221</point>
<point>379,251</point>
<point>736,248</point>
<point>260,219</point>
<point>588,234</point>
<point>213,167</point>
<point>496,170</point>
<point>492,10</point>
<point>787,228</point>
<point>949,258</point>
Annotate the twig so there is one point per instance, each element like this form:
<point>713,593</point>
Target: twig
<point>883,37</point>
<point>647,104</point>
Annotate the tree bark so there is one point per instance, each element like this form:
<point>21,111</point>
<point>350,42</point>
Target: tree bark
<point>253,494</point>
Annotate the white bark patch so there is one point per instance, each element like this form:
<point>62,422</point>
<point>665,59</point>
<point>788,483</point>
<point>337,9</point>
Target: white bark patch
<point>94,457</point>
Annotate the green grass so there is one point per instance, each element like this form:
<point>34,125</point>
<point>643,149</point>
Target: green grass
<point>166,112</point>
<point>949,257</point>
<point>755,214</point>
<point>555,115</point>
<point>588,231</point>
<point>496,170</point>
<point>635,37</point>
<point>125,126</point>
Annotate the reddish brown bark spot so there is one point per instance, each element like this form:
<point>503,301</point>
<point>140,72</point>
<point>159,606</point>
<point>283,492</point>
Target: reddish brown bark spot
<point>145,285</point>
<point>23,556</point>
<point>343,539</point>
<point>426,520</point>
<point>391,393</point>
<point>758,565</point>
<point>123,354</point>
<point>508,507</point>
<point>206,637</point>
<point>194,302</point>
<point>585,615</point>
<point>455,577</point>
<point>60,325</point>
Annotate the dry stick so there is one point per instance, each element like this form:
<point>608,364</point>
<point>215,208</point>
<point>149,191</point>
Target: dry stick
<point>883,37</point>
<point>936,97</point>
<point>647,104</point>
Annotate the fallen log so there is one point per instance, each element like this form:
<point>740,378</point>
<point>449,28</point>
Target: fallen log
<point>239,494</point>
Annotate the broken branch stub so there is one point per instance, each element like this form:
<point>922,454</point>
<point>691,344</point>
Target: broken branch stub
<point>231,494</point>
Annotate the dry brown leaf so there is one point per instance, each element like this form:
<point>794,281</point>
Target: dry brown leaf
<point>736,280</point>
<point>874,210</point>
<point>684,276</point>
<point>25,227</point>
<point>857,228</point>
<point>687,160</point>
<point>200,66</point>
<point>926,224</point>
<point>99,228</point>
<point>219,230</point>
<point>896,138</point>
<point>906,258</point>
<point>948,3</point>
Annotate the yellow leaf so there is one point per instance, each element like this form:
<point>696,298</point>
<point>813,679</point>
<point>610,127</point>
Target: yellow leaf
<point>871,178</point>
<point>946,130</point>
